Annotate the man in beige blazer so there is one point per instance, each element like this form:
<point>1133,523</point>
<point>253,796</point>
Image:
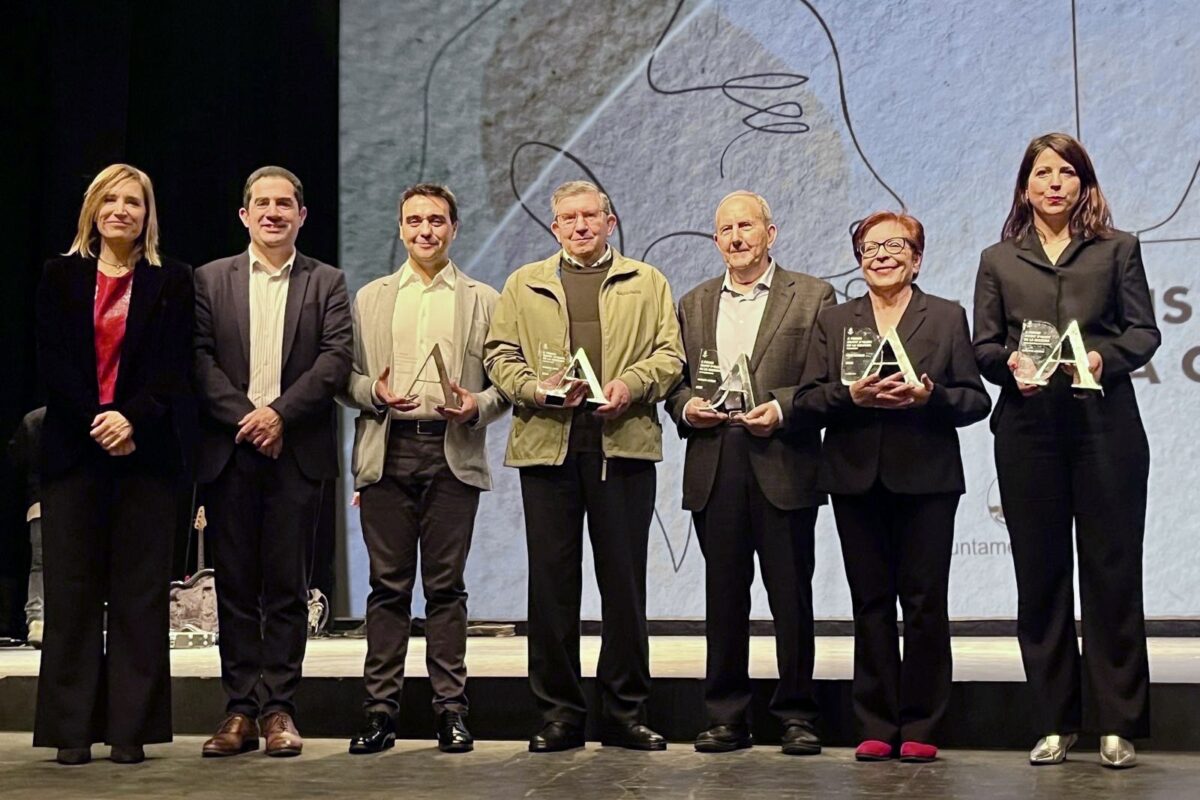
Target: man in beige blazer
<point>420,460</point>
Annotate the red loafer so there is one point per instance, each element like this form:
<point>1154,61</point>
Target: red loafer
<point>917,752</point>
<point>873,750</point>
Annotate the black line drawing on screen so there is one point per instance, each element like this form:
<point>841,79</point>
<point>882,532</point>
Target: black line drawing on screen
<point>429,80</point>
<point>1183,199</point>
<point>1079,135</point>
<point>788,112</point>
<point>591,176</point>
<point>676,562</point>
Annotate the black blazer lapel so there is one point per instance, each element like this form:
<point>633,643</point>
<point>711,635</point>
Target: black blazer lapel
<point>147,286</point>
<point>913,317</point>
<point>81,313</point>
<point>239,290</point>
<point>1029,248</point>
<point>779,298</point>
<point>297,287</point>
<point>710,303</point>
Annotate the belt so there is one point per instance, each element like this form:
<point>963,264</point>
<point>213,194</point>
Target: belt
<point>420,427</point>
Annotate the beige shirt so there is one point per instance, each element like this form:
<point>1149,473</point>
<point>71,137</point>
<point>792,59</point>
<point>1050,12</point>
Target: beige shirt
<point>424,316</point>
<point>268,302</point>
<point>739,316</point>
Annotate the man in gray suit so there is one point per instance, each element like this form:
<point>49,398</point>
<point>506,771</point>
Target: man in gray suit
<point>273,339</point>
<point>749,487</point>
<point>420,460</point>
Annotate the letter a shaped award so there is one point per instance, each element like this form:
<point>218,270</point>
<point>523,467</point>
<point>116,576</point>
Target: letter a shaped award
<point>449,399</point>
<point>1042,349</point>
<point>558,374</point>
<point>736,392</point>
<point>864,352</point>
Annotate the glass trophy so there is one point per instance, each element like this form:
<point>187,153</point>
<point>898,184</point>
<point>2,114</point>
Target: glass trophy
<point>448,398</point>
<point>559,372</point>
<point>735,394</point>
<point>859,347</point>
<point>865,352</point>
<point>707,380</point>
<point>1042,348</point>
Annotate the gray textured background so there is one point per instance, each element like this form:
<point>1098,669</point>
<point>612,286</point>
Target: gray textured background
<point>940,99</point>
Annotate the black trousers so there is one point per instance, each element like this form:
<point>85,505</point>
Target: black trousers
<point>1063,460</point>
<point>898,546</point>
<point>618,498</point>
<point>262,515</point>
<point>737,522</point>
<point>107,536</point>
<point>418,504</point>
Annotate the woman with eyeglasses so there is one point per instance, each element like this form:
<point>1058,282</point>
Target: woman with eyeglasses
<point>114,343</point>
<point>891,465</point>
<point>1072,457</point>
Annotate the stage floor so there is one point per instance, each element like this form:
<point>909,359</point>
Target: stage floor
<point>991,706</point>
<point>504,770</point>
<point>990,658</point>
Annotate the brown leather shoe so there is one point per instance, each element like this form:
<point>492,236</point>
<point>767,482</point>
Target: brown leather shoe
<point>282,737</point>
<point>237,734</point>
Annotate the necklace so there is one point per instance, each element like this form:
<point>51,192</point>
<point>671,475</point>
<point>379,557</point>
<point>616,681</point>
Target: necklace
<point>1047,240</point>
<point>120,268</point>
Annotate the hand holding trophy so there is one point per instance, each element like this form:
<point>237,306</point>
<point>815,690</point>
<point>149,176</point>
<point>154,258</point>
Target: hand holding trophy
<point>1042,349</point>
<point>877,379</point>
<point>566,381</point>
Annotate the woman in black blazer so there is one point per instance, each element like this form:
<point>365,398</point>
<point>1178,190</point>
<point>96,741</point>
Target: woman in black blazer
<point>890,463</point>
<point>1068,456</point>
<point>114,325</point>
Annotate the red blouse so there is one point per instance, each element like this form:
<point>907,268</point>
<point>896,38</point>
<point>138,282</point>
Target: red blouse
<point>108,316</point>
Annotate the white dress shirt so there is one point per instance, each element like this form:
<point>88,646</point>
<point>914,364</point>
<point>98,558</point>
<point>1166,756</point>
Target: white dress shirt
<point>739,315</point>
<point>268,302</point>
<point>424,316</point>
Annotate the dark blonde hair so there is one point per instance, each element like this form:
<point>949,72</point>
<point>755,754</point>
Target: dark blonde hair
<point>911,225</point>
<point>86,236</point>
<point>572,188</point>
<point>1090,219</point>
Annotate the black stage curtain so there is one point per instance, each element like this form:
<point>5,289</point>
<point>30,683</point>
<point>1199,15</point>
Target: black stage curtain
<point>196,94</point>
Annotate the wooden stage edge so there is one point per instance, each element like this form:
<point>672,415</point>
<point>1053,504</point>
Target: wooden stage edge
<point>990,706</point>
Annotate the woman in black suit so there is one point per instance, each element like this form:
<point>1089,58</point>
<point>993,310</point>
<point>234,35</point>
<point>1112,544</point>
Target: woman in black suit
<point>114,325</point>
<point>890,463</point>
<point>1066,456</point>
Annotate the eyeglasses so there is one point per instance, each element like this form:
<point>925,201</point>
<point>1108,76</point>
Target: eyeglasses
<point>590,218</point>
<point>893,246</point>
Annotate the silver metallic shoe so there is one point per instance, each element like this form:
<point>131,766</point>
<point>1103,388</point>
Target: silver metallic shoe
<point>1117,753</point>
<point>1052,749</point>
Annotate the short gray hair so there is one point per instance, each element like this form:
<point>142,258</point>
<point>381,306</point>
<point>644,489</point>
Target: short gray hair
<point>758,198</point>
<point>572,188</point>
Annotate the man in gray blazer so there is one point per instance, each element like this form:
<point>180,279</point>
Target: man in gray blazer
<point>750,487</point>
<point>420,460</point>
<point>273,339</point>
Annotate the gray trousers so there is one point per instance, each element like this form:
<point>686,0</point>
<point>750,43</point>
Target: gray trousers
<point>37,592</point>
<point>418,506</point>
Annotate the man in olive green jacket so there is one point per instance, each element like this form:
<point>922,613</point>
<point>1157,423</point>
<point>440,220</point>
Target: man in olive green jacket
<point>593,456</point>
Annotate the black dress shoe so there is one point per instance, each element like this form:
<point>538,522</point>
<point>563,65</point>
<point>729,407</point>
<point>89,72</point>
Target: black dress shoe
<point>633,737</point>
<point>724,739</point>
<point>453,736</point>
<point>73,756</point>
<point>800,739</point>
<point>127,754</point>
<point>376,736</point>
<point>555,737</point>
